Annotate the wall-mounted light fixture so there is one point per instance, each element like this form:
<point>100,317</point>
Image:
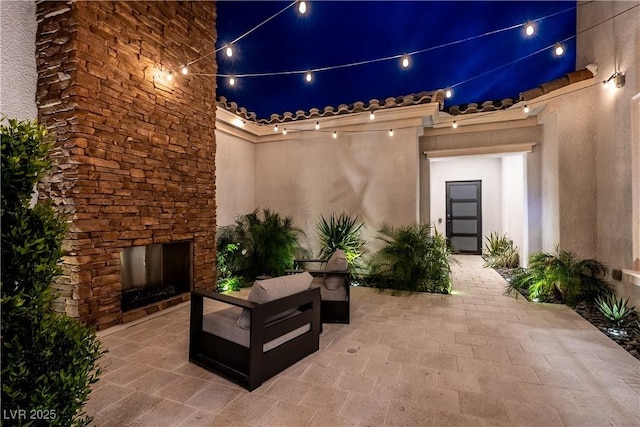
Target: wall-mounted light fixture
<point>615,81</point>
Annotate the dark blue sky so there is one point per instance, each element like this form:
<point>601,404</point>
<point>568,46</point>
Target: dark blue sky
<point>339,32</point>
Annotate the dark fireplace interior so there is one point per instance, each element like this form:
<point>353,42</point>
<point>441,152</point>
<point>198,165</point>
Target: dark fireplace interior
<point>154,273</point>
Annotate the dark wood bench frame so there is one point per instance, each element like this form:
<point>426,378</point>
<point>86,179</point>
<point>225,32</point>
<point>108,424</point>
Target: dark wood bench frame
<point>250,367</point>
<point>332,311</point>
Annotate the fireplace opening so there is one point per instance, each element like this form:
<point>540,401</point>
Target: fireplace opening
<point>154,273</point>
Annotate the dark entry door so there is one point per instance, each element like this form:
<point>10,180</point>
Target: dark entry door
<point>464,216</point>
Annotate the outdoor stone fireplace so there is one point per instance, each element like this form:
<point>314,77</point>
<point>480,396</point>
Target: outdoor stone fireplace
<point>134,153</point>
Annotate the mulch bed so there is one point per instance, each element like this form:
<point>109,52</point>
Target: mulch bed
<point>626,336</point>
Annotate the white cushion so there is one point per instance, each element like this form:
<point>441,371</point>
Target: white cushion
<point>267,290</point>
<point>337,261</point>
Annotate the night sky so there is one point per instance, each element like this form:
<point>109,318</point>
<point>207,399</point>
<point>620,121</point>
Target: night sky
<point>334,33</point>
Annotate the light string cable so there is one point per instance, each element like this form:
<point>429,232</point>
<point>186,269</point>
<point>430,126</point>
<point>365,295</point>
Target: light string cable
<point>237,39</point>
<point>386,58</point>
<point>543,49</point>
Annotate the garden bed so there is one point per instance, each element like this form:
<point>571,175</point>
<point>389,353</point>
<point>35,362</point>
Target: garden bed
<point>626,336</point>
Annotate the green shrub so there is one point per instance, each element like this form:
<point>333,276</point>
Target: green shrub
<point>559,276</point>
<point>614,309</point>
<point>499,252</point>
<point>265,244</point>
<point>413,258</point>
<point>48,359</point>
<point>342,232</point>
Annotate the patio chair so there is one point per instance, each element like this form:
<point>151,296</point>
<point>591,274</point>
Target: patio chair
<point>254,339</point>
<point>333,279</point>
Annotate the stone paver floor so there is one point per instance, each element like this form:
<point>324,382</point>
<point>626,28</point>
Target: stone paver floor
<point>473,358</point>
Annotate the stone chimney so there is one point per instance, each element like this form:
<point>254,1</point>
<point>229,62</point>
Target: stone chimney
<point>135,152</point>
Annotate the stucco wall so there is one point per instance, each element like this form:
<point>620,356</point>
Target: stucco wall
<point>492,135</point>
<point>235,177</point>
<point>514,181</point>
<point>614,45</point>
<point>368,174</point>
<point>17,59</point>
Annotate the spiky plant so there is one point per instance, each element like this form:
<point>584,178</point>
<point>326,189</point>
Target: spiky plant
<point>413,258</point>
<point>499,252</point>
<point>614,309</point>
<point>560,276</point>
<point>342,232</point>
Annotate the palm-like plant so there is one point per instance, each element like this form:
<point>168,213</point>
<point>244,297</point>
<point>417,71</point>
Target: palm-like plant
<point>342,232</point>
<point>267,244</point>
<point>414,258</point>
<point>559,275</point>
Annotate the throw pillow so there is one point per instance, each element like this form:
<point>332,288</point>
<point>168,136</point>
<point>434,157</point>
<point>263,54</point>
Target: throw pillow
<point>337,261</point>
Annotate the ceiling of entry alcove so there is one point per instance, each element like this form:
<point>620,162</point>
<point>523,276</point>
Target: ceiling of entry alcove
<point>479,49</point>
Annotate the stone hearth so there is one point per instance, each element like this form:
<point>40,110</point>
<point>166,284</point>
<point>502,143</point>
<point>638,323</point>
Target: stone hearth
<point>135,154</point>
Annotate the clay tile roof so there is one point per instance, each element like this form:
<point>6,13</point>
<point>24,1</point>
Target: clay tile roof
<point>567,79</point>
<point>329,111</point>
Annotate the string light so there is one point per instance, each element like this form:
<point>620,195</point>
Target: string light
<point>317,125</point>
<point>284,131</point>
<point>232,81</point>
<point>169,76</point>
<point>275,128</point>
<point>405,61</point>
<point>454,125</point>
<point>558,49</point>
<point>390,132</point>
<point>448,93</point>
<point>372,116</point>
<point>335,134</point>
<point>308,77</point>
<point>184,70</point>
<point>302,7</point>
<point>529,29</point>
<point>229,52</point>
<point>526,109</point>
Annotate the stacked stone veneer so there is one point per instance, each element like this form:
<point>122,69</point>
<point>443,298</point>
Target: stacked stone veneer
<point>135,153</point>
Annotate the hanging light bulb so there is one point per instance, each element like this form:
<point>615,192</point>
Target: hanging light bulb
<point>302,7</point>
<point>169,76</point>
<point>317,125</point>
<point>529,29</point>
<point>390,132</point>
<point>232,81</point>
<point>284,131</point>
<point>405,61</point>
<point>275,128</point>
<point>372,116</point>
<point>335,134</point>
<point>448,93</point>
<point>454,125</point>
<point>229,52</point>
<point>558,49</point>
<point>526,109</point>
<point>184,70</point>
<point>308,77</point>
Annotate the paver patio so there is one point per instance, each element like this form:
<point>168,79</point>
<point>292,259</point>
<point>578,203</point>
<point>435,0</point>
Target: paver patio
<point>473,358</point>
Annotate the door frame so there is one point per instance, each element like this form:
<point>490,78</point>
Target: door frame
<point>478,218</point>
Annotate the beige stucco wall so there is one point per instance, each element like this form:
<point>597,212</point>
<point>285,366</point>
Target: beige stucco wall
<point>17,59</point>
<point>525,230</point>
<point>235,177</point>
<point>614,45</point>
<point>367,174</point>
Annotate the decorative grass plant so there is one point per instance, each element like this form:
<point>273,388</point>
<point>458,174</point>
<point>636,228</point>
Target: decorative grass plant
<point>499,252</point>
<point>413,258</point>
<point>342,232</point>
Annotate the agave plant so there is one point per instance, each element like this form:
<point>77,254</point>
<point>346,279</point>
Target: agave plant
<point>614,309</point>
<point>341,232</point>
<point>561,276</point>
<point>413,258</point>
